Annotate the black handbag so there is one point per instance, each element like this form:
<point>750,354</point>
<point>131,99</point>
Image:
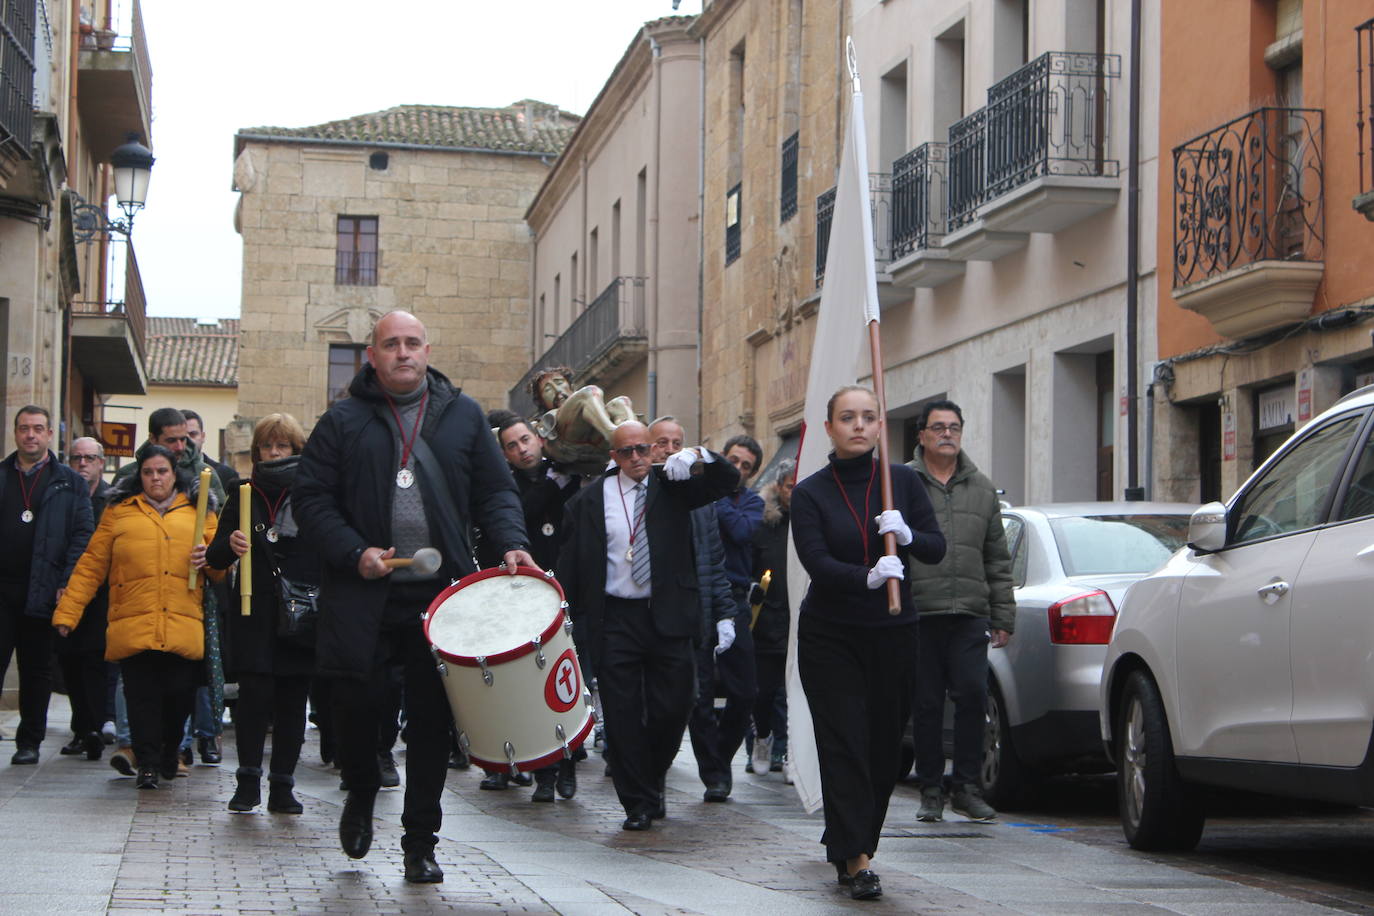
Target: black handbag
<point>297,606</point>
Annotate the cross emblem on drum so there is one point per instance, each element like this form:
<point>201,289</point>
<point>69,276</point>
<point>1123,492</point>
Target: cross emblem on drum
<point>564,683</point>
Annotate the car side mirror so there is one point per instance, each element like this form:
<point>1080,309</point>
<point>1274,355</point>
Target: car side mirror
<point>1207,528</point>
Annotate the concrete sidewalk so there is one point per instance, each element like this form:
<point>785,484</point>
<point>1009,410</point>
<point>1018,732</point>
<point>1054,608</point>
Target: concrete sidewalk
<point>78,838</point>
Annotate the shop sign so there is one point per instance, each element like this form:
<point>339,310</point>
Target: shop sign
<point>1228,436</point>
<point>1305,394</point>
<point>1275,408</point>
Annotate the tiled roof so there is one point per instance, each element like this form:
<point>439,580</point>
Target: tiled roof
<point>526,126</point>
<point>183,351</point>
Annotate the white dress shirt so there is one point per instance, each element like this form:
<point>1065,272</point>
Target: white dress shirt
<point>620,516</point>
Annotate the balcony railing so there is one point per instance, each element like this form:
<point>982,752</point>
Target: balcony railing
<point>732,224</point>
<point>16,76</point>
<point>879,202</point>
<point>1364,112</point>
<point>1047,118</point>
<point>788,198</point>
<point>919,185</point>
<point>614,317</point>
<point>123,279</point>
<point>1250,190</point>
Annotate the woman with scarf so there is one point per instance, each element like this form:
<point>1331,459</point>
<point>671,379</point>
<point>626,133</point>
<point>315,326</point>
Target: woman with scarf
<point>145,547</point>
<point>273,670</point>
<point>855,658</point>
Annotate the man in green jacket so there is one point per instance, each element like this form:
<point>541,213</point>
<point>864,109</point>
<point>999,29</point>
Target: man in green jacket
<point>966,604</point>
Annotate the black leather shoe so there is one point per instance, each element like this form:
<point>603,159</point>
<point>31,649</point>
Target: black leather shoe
<point>355,824</point>
<point>842,876</point>
<point>637,821</point>
<point>566,783</point>
<point>147,779</point>
<point>865,885</point>
<point>73,747</point>
<point>24,756</point>
<point>543,792</point>
<point>209,751</point>
<point>716,792</point>
<point>391,778</point>
<point>422,869</point>
<point>494,781</point>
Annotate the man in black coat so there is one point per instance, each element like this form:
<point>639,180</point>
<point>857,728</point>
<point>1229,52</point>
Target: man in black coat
<point>406,461</point>
<point>45,522</point>
<point>628,571</point>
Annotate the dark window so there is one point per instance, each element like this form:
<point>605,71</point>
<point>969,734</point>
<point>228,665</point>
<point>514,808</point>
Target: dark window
<point>1359,495</point>
<point>1292,494</point>
<point>345,361</point>
<point>1015,531</point>
<point>16,81</point>
<point>732,217</point>
<point>789,178</point>
<point>379,161</point>
<point>355,256</point>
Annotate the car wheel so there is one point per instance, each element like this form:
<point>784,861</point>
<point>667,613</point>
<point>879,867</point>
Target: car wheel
<point>1158,809</point>
<point>1004,776</point>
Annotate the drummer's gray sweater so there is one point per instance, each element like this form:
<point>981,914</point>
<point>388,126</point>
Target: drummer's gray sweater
<point>409,528</point>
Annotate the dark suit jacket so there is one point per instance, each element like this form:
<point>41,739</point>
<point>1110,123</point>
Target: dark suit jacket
<point>674,603</point>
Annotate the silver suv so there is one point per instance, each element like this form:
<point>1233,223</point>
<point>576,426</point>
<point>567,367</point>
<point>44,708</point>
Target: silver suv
<point>1245,661</point>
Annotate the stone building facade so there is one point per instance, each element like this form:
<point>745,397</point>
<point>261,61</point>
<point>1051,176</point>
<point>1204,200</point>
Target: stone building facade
<point>616,289</point>
<point>416,207</point>
<point>773,103</point>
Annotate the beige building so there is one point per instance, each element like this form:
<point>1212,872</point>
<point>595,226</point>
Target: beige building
<point>616,287</point>
<point>192,364</point>
<point>416,207</point>
<point>773,96</point>
<point>78,82</point>
<point>1002,128</point>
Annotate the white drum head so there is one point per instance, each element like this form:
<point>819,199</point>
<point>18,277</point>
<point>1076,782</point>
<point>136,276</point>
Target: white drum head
<point>494,615</point>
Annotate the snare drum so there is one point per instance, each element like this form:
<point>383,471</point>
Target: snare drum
<point>505,651</point>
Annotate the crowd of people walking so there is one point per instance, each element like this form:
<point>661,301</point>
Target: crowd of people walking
<point>301,586</point>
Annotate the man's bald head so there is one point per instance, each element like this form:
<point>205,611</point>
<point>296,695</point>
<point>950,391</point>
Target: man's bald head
<point>630,449</point>
<point>399,351</point>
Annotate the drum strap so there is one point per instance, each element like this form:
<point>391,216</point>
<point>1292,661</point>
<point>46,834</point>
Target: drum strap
<point>434,478</point>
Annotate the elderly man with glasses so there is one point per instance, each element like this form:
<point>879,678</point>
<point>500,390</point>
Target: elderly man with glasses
<point>966,605</point>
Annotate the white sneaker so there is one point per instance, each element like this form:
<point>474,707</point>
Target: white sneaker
<point>107,732</point>
<point>763,754</point>
<point>787,770</point>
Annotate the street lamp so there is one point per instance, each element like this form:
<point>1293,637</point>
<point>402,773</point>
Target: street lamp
<point>133,166</point>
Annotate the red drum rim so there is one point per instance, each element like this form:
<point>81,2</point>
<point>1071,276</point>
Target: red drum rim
<point>525,648</point>
<point>538,763</point>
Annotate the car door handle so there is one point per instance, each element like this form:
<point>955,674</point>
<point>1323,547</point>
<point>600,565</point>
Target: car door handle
<point>1273,591</point>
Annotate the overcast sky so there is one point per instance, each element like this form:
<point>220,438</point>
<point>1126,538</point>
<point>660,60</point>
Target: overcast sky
<point>288,63</point>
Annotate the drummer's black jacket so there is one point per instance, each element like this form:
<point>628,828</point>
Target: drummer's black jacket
<point>342,498</point>
<point>675,602</point>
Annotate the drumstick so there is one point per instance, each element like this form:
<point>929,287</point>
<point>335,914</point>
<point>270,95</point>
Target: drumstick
<point>426,561</point>
<point>246,561</point>
<point>201,507</point>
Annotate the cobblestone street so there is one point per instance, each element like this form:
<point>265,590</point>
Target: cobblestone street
<point>81,839</point>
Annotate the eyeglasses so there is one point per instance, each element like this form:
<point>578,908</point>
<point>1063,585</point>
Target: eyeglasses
<point>939,429</point>
<point>82,459</point>
<point>639,448</point>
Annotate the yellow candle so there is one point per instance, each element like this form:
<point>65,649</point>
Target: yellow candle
<point>202,499</point>
<point>245,561</point>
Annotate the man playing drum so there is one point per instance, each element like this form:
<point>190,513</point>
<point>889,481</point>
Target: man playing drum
<point>372,486</point>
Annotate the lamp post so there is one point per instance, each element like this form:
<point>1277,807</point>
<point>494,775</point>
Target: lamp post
<point>133,166</point>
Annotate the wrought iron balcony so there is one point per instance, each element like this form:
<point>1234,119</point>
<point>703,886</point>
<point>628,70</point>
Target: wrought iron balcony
<point>1364,115</point>
<point>788,199</point>
<point>1048,120</point>
<point>879,202</point>
<point>1248,215</point>
<point>919,185</point>
<point>108,336</point>
<point>16,80</point>
<point>599,346</point>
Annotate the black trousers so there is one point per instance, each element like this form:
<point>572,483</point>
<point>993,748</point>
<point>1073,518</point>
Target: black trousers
<point>84,673</point>
<point>953,658</point>
<point>646,695</point>
<point>772,668</point>
<point>359,705</point>
<point>858,683</point>
<point>716,736</point>
<point>270,700</point>
<point>159,691</point>
<point>30,640</point>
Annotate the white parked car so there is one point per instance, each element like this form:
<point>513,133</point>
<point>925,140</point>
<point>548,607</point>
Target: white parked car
<point>1247,661</point>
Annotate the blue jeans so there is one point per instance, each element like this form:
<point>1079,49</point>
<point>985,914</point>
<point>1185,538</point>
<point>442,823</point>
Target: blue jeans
<point>202,722</point>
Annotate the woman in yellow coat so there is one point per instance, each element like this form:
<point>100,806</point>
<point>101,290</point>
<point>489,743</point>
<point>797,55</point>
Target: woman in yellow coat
<point>145,547</point>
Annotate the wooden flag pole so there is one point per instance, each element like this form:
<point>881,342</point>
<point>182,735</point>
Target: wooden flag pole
<point>875,346</point>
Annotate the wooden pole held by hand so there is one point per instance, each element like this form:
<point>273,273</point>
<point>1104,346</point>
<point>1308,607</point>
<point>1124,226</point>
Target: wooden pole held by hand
<point>246,561</point>
<point>202,504</point>
<point>894,586</point>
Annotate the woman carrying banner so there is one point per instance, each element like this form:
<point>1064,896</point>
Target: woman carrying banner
<point>854,656</point>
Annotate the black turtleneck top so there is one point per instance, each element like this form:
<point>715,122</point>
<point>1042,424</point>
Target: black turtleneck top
<point>831,547</point>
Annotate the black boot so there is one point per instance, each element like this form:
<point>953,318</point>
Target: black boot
<point>248,795</point>
<point>355,823</point>
<point>544,779</point>
<point>567,778</point>
<point>280,798</point>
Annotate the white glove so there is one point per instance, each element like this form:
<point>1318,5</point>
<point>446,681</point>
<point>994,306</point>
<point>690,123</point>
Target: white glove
<point>725,634</point>
<point>679,465</point>
<point>891,520</point>
<point>887,567</point>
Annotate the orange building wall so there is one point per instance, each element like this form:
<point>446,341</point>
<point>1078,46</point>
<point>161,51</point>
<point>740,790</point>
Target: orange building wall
<point>1213,71</point>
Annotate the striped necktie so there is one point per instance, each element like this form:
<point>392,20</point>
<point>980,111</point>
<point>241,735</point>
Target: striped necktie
<point>639,566</point>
